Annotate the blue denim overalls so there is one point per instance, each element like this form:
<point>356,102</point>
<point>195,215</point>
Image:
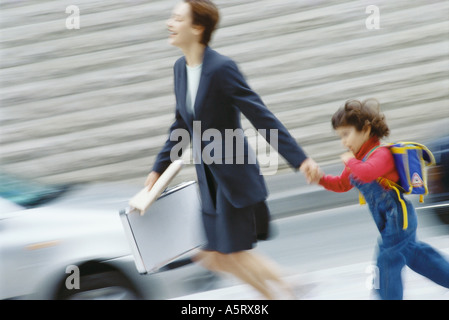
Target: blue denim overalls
<point>398,247</point>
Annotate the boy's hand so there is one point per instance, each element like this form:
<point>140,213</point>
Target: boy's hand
<point>345,157</point>
<point>316,175</point>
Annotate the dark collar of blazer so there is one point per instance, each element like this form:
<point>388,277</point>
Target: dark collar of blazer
<point>210,56</point>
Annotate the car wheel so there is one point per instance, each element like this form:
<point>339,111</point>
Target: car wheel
<point>109,285</point>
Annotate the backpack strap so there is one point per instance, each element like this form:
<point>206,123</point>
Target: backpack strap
<point>392,185</point>
<point>362,200</point>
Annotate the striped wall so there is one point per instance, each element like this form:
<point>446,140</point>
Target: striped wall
<point>95,103</point>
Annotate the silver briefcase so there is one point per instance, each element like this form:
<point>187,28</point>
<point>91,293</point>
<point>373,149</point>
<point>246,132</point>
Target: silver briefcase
<point>171,227</point>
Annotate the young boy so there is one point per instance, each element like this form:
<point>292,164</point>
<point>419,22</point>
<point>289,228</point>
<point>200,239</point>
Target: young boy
<point>360,126</point>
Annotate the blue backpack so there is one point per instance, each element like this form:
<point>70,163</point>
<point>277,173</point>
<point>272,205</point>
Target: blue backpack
<point>411,160</point>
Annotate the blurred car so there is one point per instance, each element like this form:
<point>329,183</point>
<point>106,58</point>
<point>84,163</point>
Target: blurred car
<point>54,238</point>
<point>438,178</point>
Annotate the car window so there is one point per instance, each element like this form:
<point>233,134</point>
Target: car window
<point>27,193</point>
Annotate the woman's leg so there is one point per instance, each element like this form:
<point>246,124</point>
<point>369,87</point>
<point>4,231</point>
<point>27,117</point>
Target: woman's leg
<point>269,270</point>
<point>249,267</point>
<point>236,264</point>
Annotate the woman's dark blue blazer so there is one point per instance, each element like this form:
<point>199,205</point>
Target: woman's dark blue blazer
<point>222,95</point>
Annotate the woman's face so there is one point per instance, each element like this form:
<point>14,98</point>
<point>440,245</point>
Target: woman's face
<point>352,139</point>
<point>182,32</point>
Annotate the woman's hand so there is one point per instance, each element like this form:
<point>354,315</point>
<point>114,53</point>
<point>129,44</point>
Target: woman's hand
<point>151,179</point>
<point>311,170</point>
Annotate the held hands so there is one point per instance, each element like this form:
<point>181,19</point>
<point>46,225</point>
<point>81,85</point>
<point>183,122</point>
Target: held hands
<point>308,167</point>
<point>311,170</point>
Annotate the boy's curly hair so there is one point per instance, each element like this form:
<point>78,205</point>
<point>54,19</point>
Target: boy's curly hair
<point>361,114</point>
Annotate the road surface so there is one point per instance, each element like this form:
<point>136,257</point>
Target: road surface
<point>329,254</point>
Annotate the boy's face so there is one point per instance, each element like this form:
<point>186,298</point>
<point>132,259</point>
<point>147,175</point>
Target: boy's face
<point>182,32</point>
<point>353,139</point>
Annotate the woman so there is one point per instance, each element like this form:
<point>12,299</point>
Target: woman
<point>211,91</point>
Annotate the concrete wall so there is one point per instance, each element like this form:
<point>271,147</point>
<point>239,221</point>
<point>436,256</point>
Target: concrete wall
<point>95,103</point>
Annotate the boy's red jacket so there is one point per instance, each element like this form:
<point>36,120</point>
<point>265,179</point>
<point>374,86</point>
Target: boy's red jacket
<point>379,164</point>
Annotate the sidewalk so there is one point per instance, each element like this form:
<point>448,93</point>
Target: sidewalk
<point>349,282</point>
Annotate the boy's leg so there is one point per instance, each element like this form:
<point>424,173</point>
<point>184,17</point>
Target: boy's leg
<point>426,261</point>
<point>390,263</point>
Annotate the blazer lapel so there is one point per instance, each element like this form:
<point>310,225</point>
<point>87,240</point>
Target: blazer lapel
<point>181,89</point>
<point>181,84</point>
<point>204,82</point>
